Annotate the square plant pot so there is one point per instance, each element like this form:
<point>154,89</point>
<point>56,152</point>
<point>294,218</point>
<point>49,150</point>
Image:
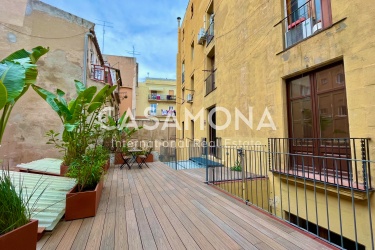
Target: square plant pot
<point>81,205</point>
<point>24,237</point>
<point>63,169</point>
<point>106,166</point>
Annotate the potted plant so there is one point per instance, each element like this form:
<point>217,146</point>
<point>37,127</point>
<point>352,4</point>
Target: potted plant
<point>117,134</point>
<point>18,72</point>
<point>79,117</point>
<point>83,200</point>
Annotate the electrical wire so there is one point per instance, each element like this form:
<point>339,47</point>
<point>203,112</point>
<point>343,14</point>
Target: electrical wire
<point>56,38</point>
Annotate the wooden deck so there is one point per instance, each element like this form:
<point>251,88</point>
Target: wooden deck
<point>161,208</point>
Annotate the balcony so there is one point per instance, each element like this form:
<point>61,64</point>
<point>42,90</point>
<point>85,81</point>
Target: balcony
<point>210,33</point>
<point>104,74</point>
<point>210,82</point>
<point>304,19</point>
<point>163,113</point>
<point>161,98</point>
<point>334,161</point>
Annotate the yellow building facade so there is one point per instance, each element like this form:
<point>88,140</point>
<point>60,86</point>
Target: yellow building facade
<point>156,97</point>
<point>287,69</point>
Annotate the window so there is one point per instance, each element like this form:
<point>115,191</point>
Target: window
<point>318,121</point>
<point>183,95</point>
<point>153,109</point>
<point>192,10</point>
<point>317,105</point>
<point>304,18</point>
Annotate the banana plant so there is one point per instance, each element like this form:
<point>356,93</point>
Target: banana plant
<point>119,130</point>
<point>18,72</point>
<point>78,116</point>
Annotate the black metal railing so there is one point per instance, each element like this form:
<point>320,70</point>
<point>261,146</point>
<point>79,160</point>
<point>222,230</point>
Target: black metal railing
<point>342,161</point>
<point>210,34</point>
<point>336,208</point>
<point>157,97</point>
<point>210,82</point>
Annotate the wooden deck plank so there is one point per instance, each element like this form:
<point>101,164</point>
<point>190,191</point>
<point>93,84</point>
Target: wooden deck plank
<point>160,239</point>
<point>143,226</point>
<point>108,236</point>
<point>83,234</point>
<point>177,208</point>
<point>162,208</point>
<point>68,239</point>
<point>134,239</point>
<point>169,231</point>
<point>256,216</point>
<point>57,235</point>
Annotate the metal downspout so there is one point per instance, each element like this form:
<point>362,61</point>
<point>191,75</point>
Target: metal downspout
<point>85,50</point>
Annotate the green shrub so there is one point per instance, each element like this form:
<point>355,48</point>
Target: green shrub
<point>14,211</point>
<point>237,167</point>
<point>88,169</point>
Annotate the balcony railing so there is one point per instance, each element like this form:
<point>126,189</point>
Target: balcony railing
<point>210,33</point>
<point>341,161</point>
<point>210,82</point>
<point>156,97</point>
<point>103,74</point>
<point>284,181</point>
<point>304,20</point>
<point>163,113</point>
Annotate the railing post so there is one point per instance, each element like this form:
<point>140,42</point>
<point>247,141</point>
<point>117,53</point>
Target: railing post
<point>241,154</point>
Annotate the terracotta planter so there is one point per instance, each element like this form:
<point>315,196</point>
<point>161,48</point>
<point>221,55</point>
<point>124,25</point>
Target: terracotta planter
<point>118,158</point>
<point>150,158</point>
<point>106,166</point>
<point>24,237</point>
<point>82,204</point>
<point>63,169</point>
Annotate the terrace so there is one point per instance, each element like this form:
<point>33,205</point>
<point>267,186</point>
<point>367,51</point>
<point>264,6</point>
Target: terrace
<point>161,208</point>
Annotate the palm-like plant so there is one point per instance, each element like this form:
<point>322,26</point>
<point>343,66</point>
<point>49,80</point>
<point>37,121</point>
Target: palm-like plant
<point>18,72</point>
<point>79,117</point>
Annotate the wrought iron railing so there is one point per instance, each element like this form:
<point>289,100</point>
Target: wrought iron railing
<point>102,74</point>
<point>341,161</point>
<point>210,34</point>
<point>333,203</point>
<point>157,97</point>
<point>210,82</point>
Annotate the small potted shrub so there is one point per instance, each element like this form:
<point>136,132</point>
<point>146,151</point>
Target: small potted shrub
<point>17,230</point>
<point>83,200</point>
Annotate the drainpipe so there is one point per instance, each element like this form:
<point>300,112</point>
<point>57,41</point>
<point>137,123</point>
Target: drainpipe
<point>85,50</point>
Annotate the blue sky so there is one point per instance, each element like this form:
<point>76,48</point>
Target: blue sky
<point>148,25</point>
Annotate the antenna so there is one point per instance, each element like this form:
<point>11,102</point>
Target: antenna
<point>133,52</point>
<point>104,24</point>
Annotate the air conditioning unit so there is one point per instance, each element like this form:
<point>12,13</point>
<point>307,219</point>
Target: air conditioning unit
<point>298,33</point>
<point>189,98</point>
<point>201,36</point>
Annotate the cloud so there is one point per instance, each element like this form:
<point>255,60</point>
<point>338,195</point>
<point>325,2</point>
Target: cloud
<point>148,25</point>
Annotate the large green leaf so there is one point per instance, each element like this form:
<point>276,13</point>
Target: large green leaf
<point>49,97</point>
<point>80,87</point>
<point>14,78</point>
<point>34,55</point>
<point>3,95</point>
<point>94,106</point>
<point>101,95</point>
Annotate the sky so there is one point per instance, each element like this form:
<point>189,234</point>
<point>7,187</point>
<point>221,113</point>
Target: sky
<point>148,25</point>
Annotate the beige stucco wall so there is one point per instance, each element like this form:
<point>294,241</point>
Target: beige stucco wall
<point>31,118</point>
<point>129,78</point>
<point>252,67</point>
